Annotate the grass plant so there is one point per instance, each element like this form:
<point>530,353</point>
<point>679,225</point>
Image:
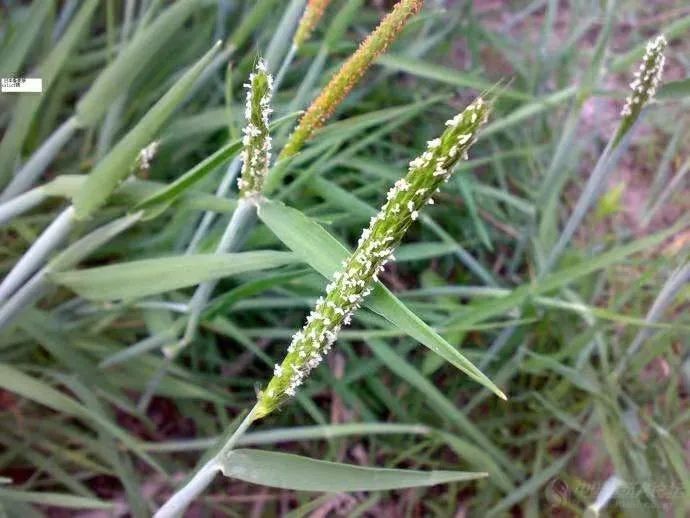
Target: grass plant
<point>187,188</point>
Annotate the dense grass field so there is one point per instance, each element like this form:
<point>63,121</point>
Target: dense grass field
<point>145,303</point>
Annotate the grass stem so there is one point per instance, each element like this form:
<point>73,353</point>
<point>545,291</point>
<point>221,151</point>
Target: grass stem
<point>20,204</point>
<point>177,504</point>
<point>35,166</point>
<point>35,256</point>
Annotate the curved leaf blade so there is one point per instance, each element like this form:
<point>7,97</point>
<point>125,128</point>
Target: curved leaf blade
<point>288,471</point>
<point>150,276</point>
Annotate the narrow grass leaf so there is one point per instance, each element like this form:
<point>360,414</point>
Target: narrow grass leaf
<point>447,410</point>
<point>674,89</point>
<point>14,380</point>
<point>25,36</point>
<point>117,164</point>
<point>426,70</point>
<point>27,105</point>
<point>560,279</point>
<point>294,472</point>
<point>120,74</point>
<point>151,276</point>
<point>54,499</point>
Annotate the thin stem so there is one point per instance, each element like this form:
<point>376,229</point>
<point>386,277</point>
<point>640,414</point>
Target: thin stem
<point>209,216</point>
<point>176,505</point>
<point>671,188</point>
<point>679,279</point>
<point>179,501</point>
<point>110,126</point>
<point>29,293</point>
<point>21,204</point>
<point>241,222</point>
<point>33,289</point>
<point>286,64</point>
<point>588,197</point>
<point>35,256</point>
<point>63,19</point>
<point>35,166</point>
<point>239,432</point>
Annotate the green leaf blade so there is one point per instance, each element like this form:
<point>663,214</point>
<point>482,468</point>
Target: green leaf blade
<point>151,276</point>
<point>324,253</point>
<point>294,472</point>
<point>117,164</point>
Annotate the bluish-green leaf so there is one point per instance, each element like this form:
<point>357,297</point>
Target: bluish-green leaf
<point>151,276</point>
<point>289,471</point>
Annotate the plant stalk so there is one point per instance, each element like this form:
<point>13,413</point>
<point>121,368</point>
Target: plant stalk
<point>35,166</point>
<point>241,223</point>
<point>20,204</point>
<point>209,216</point>
<point>35,256</point>
<point>179,501</point>
<point>589,196</point>
<point>35,287</point>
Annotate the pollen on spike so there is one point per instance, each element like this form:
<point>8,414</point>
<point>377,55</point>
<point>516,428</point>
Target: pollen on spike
<point>349,287</point>
<point>257,140</point>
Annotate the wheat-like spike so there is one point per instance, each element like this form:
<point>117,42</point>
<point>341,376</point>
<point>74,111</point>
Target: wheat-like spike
<point>256,154</point>
<point>313,12</point>
<point>349,74</point>
<point>146,156</point>
<point>349,287</point>
<point>646,81</point>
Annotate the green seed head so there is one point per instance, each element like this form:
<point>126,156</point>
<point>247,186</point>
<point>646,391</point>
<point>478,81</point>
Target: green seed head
<point>350,74</point>
<point>312,14</point>
<point>349,286</point>
<point>646,81</point>
<point>146,156</point>
<point>256,155</point>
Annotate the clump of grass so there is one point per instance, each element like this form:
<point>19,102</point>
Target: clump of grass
<point>570,336</point>
<point>350,286</point>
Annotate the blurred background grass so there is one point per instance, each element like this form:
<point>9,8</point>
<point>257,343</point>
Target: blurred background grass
<point>70,422</point>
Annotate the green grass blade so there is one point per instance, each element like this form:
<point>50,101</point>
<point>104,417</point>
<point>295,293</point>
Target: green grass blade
<point>24,38</point>
<point>171,192</point>
<point>151,276</point>
<point>27,105</point>
<point>120,74</point>
<point>675,89</point>
<point>117,164</point>
<point>16,381</point>
<point>289,471</point>
<point>54,499</point>
<point>422,68</point>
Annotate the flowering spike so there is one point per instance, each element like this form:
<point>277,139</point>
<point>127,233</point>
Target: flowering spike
<point>146,156</point>
<point>350,73</point>
<point>348,287</point>
<point>312,14</point>
<point>256,154</point>
<point>644,85</point>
